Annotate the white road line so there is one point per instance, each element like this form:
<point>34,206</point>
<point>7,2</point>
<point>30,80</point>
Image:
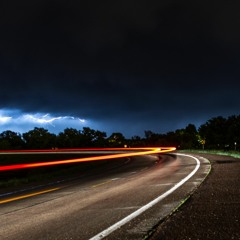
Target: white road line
<point>125,220</point>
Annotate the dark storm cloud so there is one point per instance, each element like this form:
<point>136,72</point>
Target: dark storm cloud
<point>142,63</point>
<point>163,37</point>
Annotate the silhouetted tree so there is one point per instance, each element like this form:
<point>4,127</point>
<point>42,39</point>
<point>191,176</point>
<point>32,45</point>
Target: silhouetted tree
<point>99,139</point>
<point>88,136</point>
<point>136,141</point>
<point>217,133</point>
<point>187,138</point>
<point>233,133</point>
<point>11,140</point>
<point>69,138</point>
<point>116,140</point>
<point>152,139</point>
<point>39,138</point>
<point>214,131</point>
<point>171,139</point>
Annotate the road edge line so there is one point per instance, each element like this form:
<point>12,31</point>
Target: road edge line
<point>125,220</point>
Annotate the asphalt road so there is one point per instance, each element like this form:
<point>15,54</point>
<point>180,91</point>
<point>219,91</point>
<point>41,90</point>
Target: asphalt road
<point>90,206</point>
<point>213,211</point>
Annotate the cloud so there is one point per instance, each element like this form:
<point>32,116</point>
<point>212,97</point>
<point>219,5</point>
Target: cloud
<point>22,122</point>
<point>4,120</point>
<point>123,65</point>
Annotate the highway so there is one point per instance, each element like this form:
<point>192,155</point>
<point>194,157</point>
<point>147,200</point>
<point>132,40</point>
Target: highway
<point>124,199</point>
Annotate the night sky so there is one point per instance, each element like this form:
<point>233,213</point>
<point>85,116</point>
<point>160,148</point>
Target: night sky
<point>118,66</point>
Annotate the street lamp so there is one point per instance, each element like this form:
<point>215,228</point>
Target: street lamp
<point>235,146</point>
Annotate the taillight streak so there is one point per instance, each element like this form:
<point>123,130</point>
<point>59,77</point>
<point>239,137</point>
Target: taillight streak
<point>139,151</point>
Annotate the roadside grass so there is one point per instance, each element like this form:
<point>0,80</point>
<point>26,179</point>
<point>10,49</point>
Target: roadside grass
<point>235,154</point>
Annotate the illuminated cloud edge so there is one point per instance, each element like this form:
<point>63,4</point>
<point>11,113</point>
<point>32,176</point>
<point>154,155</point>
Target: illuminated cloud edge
<point>18,121</point>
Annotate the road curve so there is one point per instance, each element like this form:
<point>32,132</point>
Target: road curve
<point>213,211</point>
<point>95,202</point>
<point>106,153</point>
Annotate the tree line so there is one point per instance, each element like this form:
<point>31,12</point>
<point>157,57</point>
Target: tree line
<point>217,133</point>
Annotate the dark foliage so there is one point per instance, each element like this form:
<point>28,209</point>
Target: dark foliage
<point>217,133</point>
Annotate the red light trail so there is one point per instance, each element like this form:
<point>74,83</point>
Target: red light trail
<point>137,152</point>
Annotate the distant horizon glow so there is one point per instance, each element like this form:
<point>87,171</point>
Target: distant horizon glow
<point>16,120</point>
<point>21,122</point>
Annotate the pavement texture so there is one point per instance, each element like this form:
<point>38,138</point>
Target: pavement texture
<point>212,211</point>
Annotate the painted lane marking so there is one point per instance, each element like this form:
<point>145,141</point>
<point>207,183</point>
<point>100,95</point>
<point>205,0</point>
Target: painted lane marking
<point>28,195</point>
<point>114,179</point>
<point>32,188</point>
<point>125,220</point>
<point>162,184</point>
<point>144,169</point>
<point>100,184</point>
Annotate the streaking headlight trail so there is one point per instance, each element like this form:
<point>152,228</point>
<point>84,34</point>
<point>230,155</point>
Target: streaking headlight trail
<point>121,153</point>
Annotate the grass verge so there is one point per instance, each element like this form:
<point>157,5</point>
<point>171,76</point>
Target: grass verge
<point>225,153</point>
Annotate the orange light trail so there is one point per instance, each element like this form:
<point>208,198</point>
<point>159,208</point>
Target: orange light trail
<point>139,151</point>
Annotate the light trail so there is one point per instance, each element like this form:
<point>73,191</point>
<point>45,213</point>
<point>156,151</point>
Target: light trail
<point>138,152</point>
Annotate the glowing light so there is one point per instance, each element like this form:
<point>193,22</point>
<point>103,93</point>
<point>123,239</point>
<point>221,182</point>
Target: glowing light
<point>22,122</point>
<point>82,120</point>
<point>43,119</point>
<point>4,120</point>
<point>134,152</point>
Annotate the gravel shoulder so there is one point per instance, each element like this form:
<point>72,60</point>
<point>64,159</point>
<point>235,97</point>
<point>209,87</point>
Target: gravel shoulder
<point>213,210</point>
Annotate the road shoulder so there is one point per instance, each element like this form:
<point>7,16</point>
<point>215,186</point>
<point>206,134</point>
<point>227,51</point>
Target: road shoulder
<point>212,212</point>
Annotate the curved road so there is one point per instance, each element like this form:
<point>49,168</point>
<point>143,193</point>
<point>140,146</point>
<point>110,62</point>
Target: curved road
<point>122,200</point>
